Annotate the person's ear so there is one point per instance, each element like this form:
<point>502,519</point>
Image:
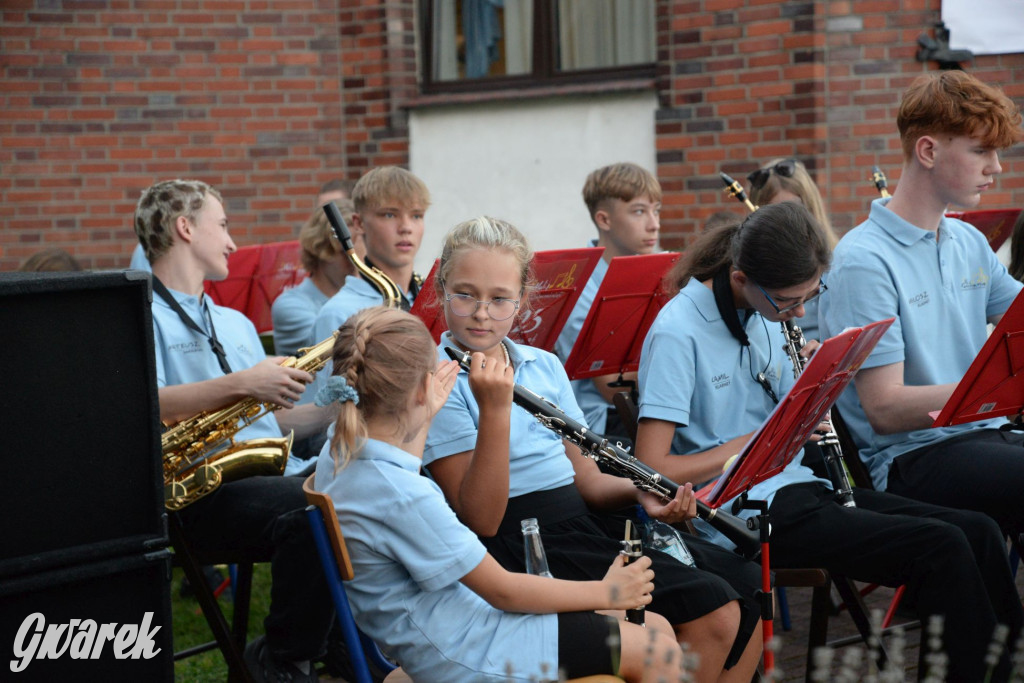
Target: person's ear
<point>357,227</point>
<point>926,149</point>
<point>183,228</point>
<point>603,220</point>
<point>738,277</point>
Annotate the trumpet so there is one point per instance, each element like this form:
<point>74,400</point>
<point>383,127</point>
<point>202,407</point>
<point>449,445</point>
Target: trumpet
<point>598,448</point>
<point>831,450</point>
<point>393,296</point>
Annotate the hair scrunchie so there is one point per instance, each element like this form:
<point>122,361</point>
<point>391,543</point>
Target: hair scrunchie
<point>337,389</point>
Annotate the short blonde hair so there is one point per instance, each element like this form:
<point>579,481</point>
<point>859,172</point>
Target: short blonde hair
<point>625,181</point>
<point>389,184</point>
<point>160,206</point>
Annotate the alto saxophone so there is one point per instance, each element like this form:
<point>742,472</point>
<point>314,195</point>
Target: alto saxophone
<point>193,467</point>
<point>393,296</point>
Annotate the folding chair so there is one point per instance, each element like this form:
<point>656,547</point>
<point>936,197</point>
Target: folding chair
<point>816,578</point>
<point>231,640</point>
<point>337,567</point>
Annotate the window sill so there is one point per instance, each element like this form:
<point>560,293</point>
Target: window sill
<point>531,93</point>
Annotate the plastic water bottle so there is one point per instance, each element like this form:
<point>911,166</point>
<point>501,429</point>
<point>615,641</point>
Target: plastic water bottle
<point>667,539</point>
<point>536,560</point>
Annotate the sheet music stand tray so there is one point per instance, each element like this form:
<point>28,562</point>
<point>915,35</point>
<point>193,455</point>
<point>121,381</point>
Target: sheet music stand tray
<point>994,384</point>
<point>784,433</point>
<point>624,308</point>
<point>561,275</point>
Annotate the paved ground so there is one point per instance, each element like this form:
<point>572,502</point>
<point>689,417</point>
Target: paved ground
<point>790,659</point>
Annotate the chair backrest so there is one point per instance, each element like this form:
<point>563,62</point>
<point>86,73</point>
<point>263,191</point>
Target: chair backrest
<point>324,503</point>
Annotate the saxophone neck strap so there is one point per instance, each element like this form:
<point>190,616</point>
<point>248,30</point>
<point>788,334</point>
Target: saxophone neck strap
<point>215,345</point>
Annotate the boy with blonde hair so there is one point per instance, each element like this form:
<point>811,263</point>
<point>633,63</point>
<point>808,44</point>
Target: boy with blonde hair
<point>624,201</point>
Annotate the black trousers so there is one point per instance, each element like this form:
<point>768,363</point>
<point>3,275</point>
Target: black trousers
<point>981,470</point>
<point>953,562</point>
<point>580,546</point>
<point>261,517</point>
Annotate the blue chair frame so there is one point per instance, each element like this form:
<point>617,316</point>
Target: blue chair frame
<point>334,560</point>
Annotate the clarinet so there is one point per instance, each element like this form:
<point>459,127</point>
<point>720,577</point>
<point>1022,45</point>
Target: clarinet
<point>598,448</point>
<point>881,184</point>
<point>831,451</point>
<point>736,190</point>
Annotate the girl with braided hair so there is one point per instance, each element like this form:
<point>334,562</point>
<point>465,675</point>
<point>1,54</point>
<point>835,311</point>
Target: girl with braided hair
<point>425,589</point>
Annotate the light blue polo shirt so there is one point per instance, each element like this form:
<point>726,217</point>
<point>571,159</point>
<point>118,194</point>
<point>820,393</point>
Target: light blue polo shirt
<point>293,314</point>
<point>184,356</point>
<point>588,397</point>
<point>408,553</point>
<point>537,460</point>
<point>694,373</point>
<point>941,293</point>
<point>139,260</point>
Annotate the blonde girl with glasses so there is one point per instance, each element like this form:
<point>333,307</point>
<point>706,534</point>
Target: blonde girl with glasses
<point>497,465</point>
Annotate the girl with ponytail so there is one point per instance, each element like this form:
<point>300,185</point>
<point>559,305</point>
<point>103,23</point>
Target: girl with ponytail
<point>425,589</point>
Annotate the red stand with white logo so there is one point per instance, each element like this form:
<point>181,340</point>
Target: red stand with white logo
<point>783,435</point>
<point>994,384</point>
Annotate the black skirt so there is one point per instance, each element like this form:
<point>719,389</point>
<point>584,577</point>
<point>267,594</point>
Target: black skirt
<point>580,546</point>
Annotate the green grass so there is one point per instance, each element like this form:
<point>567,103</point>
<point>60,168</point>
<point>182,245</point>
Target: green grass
<point>190,627</point>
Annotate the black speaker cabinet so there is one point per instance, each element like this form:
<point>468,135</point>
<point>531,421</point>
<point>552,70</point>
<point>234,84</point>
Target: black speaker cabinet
<point>82,476</point>
<point>101,621</point>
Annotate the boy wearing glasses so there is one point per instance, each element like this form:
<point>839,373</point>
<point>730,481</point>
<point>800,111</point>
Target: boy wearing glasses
<point>624,201</point>
<point>942,283</point>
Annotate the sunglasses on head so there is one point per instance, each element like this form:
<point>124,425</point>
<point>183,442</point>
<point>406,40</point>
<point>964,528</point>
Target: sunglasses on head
<point>785,168</point>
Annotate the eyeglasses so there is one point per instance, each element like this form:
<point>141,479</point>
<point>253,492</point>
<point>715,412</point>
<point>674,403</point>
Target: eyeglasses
<point>463,305</point>
<point>786,309</point>
<point>785,168</point>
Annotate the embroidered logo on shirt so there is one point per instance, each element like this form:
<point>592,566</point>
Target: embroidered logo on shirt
<point>919,299</point>
<point>979,280</point>
<point>721,381</point>
<point>186,347</point>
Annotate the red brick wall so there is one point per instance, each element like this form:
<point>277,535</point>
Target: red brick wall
<point>742,81</point>
<point>100,98</point>
<point>268,99</point>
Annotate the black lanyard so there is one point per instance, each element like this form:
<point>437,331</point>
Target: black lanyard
<point>731,317</point>
<point>215,345</point>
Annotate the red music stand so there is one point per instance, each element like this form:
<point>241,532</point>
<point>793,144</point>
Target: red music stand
<point>257,275</point>
<point>995,224</point>
<point>561,275</point>
<point>994,384</point>
<point>778,440</point>
<point>784,433</point>
<point>624,308</point>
